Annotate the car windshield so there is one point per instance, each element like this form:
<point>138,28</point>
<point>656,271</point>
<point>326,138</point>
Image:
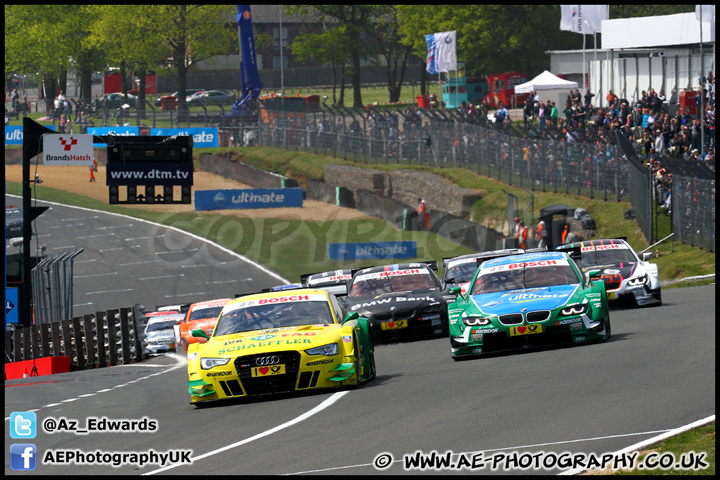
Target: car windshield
<point>157,326</point>
<point>12,213</point>
<point>210,312</point>
<point>379,283</point>
<point>610,256</point>
<point>460,272</point>
<point>248,317</point>
<point>505,278</point>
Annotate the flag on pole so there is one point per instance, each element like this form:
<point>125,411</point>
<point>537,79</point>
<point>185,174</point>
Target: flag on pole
<point>442,56</point>
<point>584,19</point>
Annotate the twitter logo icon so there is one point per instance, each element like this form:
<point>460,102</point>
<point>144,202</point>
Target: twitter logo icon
<point>23,425</point>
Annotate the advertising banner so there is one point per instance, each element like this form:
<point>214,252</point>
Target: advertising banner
<point>202,137</point>
<point>149,174</point>
<point>248,198</point>
<point>372,250</point>
<point>121,131</point>
<point>14,134</point>
<point>67,149</point>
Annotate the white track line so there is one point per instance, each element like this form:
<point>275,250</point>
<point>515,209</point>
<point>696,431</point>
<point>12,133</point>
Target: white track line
<point>334,398</point>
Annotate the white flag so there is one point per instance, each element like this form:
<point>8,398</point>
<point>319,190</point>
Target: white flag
<point>708,12</point>
<point>442,52</point>
<point>583,18</point>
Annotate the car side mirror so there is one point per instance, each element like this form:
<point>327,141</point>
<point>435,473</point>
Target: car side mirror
<point>350,316</point>
<point>199,334</point>
<point>454,290</point>
<point>593,274</point>
<point>647,256</point>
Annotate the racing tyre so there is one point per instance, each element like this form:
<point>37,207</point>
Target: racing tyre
<point>608,329</point>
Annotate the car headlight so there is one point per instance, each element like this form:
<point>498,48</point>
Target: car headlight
<point>634,282</point>
<point>474,321</point>
<point>574,310</point>
<point>208,363</point>
<point>329,349</point>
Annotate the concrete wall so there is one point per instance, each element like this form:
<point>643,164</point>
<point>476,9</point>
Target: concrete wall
<point>406,186</point>
<point>318,190</point>
<point>244,173</point>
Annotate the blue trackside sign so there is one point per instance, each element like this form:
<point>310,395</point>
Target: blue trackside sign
<point>14,134</point>
<point>202,137</point>
<point>372,250</point>
<point>248,198</point>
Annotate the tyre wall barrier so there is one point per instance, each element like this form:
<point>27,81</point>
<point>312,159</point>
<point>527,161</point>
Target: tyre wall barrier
<point>244,173</point>
<point>101,339</point>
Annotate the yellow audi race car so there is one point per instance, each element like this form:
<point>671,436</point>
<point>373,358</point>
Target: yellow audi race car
<point>280,342</point>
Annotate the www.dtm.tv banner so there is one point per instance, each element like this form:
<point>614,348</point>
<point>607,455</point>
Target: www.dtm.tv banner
<point>248,198</point>
<point>372,250</point>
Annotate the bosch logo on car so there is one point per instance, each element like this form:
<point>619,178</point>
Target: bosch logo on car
<point>291,298</point>
<point>538,263</point>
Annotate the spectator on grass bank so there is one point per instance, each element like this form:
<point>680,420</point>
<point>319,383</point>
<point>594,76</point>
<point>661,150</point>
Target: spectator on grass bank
<point>424,214</point>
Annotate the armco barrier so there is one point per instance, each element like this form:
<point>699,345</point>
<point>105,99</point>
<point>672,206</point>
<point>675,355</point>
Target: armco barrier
<point>340,196</point>
<point>243,173</point>
<point>96,340</point>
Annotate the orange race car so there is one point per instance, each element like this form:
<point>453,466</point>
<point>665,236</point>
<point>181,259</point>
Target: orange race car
<point>201,315</point>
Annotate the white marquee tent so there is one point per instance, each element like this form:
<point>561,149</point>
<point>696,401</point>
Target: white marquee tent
<point>549,87</point>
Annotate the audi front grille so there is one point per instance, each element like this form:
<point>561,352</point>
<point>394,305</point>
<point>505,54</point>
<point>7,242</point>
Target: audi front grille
<point>272,383</point>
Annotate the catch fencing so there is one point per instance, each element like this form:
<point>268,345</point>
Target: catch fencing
<point>693,211</point>
<point>452,139</point>
<point>97,340</point>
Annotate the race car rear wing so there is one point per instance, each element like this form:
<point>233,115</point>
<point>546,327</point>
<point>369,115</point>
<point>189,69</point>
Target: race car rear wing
<point>182,308</point>
<point>432,265</point>
<point>339,290</point>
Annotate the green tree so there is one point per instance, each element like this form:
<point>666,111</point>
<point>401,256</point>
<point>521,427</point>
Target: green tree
<point>329,46</point>
<point>386,30</point>
<point>50,40</point>
<point>194,33</point>
<point>356,20</point>
<point>132,41</point>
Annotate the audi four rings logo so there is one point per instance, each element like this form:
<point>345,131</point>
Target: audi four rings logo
<point>264,361</point>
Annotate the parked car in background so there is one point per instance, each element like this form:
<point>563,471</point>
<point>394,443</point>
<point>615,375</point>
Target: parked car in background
<point>189,92</point>
<point>116,100</point>
<point>212,97</point>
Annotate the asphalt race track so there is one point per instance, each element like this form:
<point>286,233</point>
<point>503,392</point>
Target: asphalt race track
<point>127,261</point>
<point>657,373</point>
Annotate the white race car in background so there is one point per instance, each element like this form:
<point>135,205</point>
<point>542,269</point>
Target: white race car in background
<point>629,279</point>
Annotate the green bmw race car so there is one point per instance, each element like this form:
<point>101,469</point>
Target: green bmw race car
<point>528,300</point>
